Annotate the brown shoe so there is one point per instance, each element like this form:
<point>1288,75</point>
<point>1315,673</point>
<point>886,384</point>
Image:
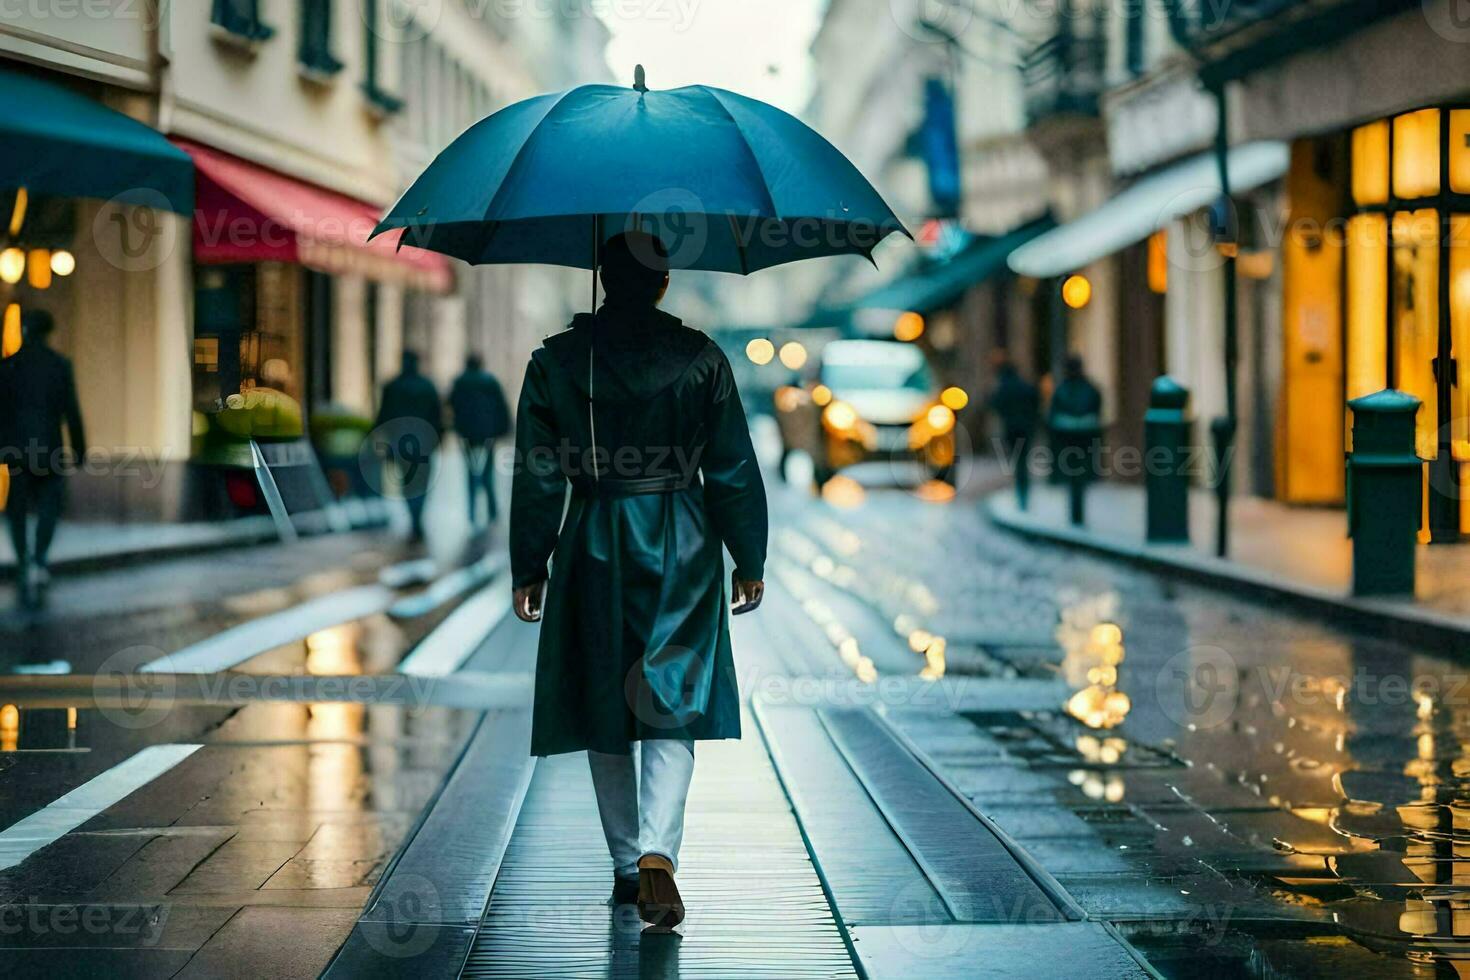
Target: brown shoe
<point>659,903</point>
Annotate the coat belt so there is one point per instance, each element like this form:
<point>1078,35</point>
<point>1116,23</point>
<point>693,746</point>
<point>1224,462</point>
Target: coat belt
<point>610,487</point>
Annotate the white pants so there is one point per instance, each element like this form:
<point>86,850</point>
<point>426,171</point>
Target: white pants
<point>643,811</point>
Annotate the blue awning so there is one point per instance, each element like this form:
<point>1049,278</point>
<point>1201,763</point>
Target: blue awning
<point>58,142</point>
<point>937,285</point>
<point>1147,206</point>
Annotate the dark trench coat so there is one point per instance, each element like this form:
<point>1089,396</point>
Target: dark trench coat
<point>635,639</point>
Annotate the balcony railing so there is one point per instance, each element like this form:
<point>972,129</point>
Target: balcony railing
<point>1064,76</point>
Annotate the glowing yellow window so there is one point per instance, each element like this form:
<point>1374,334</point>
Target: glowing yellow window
<point>1460,151</point>
<point>1460,330</point>
<point>1370,163</point>
<point>1416,316</point>
<point>1416,154</point>
<point>1367,301</point>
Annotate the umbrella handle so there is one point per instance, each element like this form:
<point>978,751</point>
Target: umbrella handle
<point>591,345</point>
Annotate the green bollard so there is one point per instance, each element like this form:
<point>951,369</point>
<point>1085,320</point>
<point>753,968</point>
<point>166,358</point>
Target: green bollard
<point>1166,431</point>
<point>1385,493</point>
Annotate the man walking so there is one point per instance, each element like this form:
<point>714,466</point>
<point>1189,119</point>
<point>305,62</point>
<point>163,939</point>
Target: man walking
<point>640,415</point>
<point>409,425</point>
<point>38,396</point>
<point>1017,405</point>
<point>480,417</point>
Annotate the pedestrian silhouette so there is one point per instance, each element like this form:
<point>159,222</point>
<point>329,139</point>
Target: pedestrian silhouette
<point>640,414</point>
<point>38,398</point>
<point>1017,405</point>
<point>1074,417</point>
<point>408,428</point>
<point>481,416</point>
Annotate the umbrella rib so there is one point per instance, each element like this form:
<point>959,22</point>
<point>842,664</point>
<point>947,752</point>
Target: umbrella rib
<point>739,245</point>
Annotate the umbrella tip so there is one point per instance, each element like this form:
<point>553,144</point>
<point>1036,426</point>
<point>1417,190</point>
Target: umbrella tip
<point>638,79</point>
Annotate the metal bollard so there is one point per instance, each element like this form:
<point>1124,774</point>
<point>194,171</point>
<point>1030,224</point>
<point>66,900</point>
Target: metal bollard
<point>1384,493</point>
<point>1166,433</point>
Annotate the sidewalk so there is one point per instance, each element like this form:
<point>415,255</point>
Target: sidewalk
<point>1294,553</point>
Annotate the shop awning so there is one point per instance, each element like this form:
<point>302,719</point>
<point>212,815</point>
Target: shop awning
<point>937,285</point>
<point>58,142</point>
<point>246,213</point>
<point>1147,206</point>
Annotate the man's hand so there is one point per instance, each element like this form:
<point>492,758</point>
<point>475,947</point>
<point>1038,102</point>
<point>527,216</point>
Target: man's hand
<point>527,602</point>
<point>747,594</point>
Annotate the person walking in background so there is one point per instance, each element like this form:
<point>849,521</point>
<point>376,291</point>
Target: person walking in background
<point>409,426</point>
<point>481,416</point>
<point>640,414</point>
<point>1017,405</point>
<point>38,397</point>
<point>1074,418</point>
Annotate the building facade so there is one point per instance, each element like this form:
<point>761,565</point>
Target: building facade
<point>297,124</point>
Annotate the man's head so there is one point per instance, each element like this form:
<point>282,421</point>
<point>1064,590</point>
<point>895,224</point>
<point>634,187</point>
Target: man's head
<point>635,269</point>
<point>36,326</point>
<point>410,362</point>
<point>1073,367</point>
<point>473,362</point>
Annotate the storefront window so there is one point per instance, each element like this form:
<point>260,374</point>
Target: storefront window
<point>1367,272</point>
<point>1416,317</point>
<point>1460,329</point>
<point>1460,151</point>
<point>1409,297</point>
<point>1416,154</point>
<point>1370,163</point>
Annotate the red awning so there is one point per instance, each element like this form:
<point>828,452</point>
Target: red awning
<point>246,213</point>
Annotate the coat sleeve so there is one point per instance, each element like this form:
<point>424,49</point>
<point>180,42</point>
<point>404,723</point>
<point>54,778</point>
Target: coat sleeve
<point>734,493</point>
<point>538,490</point>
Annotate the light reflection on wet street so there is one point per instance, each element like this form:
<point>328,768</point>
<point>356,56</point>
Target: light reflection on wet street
<point>1240,788</point>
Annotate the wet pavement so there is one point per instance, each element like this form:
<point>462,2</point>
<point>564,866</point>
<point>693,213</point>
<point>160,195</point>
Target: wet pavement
<point>1213,784</point>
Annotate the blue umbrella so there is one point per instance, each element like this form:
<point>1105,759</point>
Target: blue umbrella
<point>728,183</point>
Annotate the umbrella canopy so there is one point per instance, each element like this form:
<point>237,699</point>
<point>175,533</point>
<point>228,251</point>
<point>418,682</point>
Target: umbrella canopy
<point>729,184</point>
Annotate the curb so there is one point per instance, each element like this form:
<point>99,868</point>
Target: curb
<point>1396,620</point>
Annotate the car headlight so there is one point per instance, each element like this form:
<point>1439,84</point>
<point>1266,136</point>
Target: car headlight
<point>840,417</point>
<point>940,419</point>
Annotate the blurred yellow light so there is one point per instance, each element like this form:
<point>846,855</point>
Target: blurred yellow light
<point>1076,292</point>
<point>10,333</point>
<point>793,355</point>
<point>954,398</point>
<point>63,263</point>
<point>789,398</point>
<point>18,215</point>
<point>843,491</point>
<point>12,265</point>
<point>840,416</point>
<point>71,718</point>
<point>38,268</point>
<point>940,419</point>
<point>760,351</point>
<point>934,492</point>
<point>909,326</point>
<point>1107,633</point>
<point>822,395</point>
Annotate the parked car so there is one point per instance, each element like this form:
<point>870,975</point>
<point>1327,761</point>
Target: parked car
<point>870,400</point>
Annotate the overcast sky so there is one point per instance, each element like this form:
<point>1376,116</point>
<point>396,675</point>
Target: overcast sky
<point>756,47</point>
